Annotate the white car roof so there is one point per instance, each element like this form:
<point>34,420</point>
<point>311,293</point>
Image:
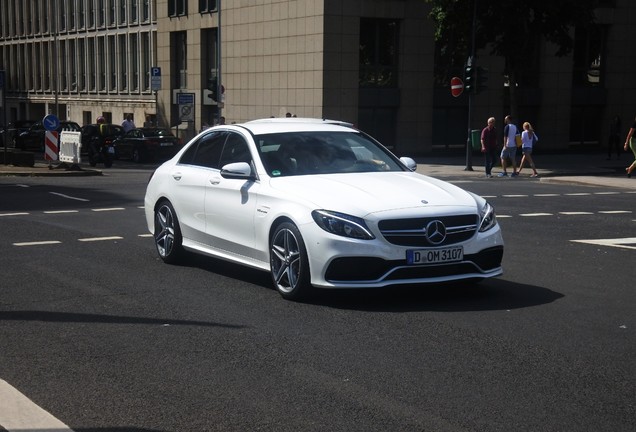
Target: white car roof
<point>290,124</point>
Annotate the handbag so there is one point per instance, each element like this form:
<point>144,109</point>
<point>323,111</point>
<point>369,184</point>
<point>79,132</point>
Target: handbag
<point>518,140</point>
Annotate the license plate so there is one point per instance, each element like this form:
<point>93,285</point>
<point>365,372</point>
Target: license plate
<point>434,256</point>
<point>166,144</point>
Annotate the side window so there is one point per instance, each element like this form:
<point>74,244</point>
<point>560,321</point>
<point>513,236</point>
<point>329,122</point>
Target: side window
<point>206,152</point>
<point>235,150</point>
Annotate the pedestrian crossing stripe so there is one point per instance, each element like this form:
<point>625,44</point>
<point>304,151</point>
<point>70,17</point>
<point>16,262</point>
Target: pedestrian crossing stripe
<point>624,243</point>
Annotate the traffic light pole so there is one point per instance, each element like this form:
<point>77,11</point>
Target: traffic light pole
<point>469,63</point>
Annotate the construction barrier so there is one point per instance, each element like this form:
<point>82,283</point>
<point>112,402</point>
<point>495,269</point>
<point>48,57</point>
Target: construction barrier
<point>70,147</point>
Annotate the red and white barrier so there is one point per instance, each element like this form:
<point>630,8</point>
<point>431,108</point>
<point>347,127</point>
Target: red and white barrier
<point>51,143</point>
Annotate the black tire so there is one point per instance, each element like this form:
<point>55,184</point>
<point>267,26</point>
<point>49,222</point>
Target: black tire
<point>168,239</point>
<point>137,157</point>
<point>289,265</point>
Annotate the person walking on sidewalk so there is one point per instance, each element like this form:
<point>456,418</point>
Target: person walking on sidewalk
<point>509,150</point>
<point>489,146</point>
<point>528,138</point>
<point>631,142</point>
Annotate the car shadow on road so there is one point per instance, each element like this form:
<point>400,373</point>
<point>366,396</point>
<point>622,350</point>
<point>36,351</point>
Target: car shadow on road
<point>491,294</point>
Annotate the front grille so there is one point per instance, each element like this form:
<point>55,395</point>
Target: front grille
<point>412,232</point>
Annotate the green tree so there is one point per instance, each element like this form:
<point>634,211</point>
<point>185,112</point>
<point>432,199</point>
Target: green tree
<point>508,29</point>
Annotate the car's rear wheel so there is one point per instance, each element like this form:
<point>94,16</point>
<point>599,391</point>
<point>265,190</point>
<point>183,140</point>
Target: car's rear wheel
<point>288,262</point>
<point>167,235</point>
<point>137,157</point>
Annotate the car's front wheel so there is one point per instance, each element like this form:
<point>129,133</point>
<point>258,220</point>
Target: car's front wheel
<point>288,262</point>
<point>167,233</point>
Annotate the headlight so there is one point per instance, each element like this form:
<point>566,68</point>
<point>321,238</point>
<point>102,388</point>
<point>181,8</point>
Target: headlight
<point>342,224</point>
<point>487,218</point>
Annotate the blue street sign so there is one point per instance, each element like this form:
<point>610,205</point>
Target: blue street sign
<point>51,122</point>
<point>155,78</point>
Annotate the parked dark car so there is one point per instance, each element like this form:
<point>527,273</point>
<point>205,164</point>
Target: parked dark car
<point>33,138</point>
<point>14,129</point>
<point>98,142</point>
<point>143,144</point>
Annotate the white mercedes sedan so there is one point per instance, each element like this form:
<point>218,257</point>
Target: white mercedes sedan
<point>318,204</point>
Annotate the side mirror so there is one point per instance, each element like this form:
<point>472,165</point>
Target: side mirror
<point>409,163</point>
<point>237,171</point>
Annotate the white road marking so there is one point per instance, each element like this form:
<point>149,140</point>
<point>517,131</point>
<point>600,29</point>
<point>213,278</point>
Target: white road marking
<point>499,216</point>
<point>614,211</point>
<point>535,214</point>
<point>578,194</point>
<point>144,235</point>
<point>92,239</point>
<point>606,193</point>
<point>13,214</point>
<point>37,243</point>
<point>547,195</point>
<point>19,413</point>
<point>69,197</point>
<point>514,196</point>
<point>61,211</point>
<point>576,213</point>
<point>624,243</point>
<point>108,209</point>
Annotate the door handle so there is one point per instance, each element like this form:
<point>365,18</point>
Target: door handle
<point>215,180</point>
<point>176,176</point>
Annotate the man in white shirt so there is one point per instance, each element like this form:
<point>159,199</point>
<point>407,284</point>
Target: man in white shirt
<point>128,124</point>
<point>509,150</point>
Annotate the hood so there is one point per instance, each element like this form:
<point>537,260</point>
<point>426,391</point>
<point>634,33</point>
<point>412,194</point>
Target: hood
<point>363,193</point>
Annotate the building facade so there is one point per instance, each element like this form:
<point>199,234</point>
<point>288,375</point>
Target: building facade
<point>370,62</point>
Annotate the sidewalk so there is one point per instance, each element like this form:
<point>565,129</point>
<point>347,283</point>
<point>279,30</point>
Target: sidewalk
<point>582,168</point>
<point>43,169</point>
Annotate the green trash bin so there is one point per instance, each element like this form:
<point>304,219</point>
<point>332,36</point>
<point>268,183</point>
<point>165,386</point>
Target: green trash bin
<point>475,139</point>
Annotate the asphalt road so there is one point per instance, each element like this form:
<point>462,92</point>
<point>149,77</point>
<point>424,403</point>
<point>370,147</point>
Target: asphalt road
<point>98,332</point>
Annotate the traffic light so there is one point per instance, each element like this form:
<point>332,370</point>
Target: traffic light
<point>481,79</point>
<point>213,86</point>
<point>469,79</point>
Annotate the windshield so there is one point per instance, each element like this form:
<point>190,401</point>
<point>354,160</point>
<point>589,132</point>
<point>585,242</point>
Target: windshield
<point>302,153</point>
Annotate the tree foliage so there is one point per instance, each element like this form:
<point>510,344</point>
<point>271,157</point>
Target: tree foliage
<point>508,28</point>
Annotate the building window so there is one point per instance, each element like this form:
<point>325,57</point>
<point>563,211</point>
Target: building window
<point>81,44</point>
<point>145,10</point>
<point>123,64</point>
<point>101,64</point>
<point>111,18</point>
<point>180,56</point>
<point>134,13</point>
<point>207,6</point>
<point>378,52</point>
<point>177,7</point>
<point>134,62</point>
<point>145,60</point>
<point>589,51</point>
<point>112,63</point>
<point>122,12</point>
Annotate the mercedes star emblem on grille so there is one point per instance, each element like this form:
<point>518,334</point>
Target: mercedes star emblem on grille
<point>435,232</point>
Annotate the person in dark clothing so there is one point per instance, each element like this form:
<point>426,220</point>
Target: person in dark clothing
<point>489,146</point>
<point>613,142</point>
